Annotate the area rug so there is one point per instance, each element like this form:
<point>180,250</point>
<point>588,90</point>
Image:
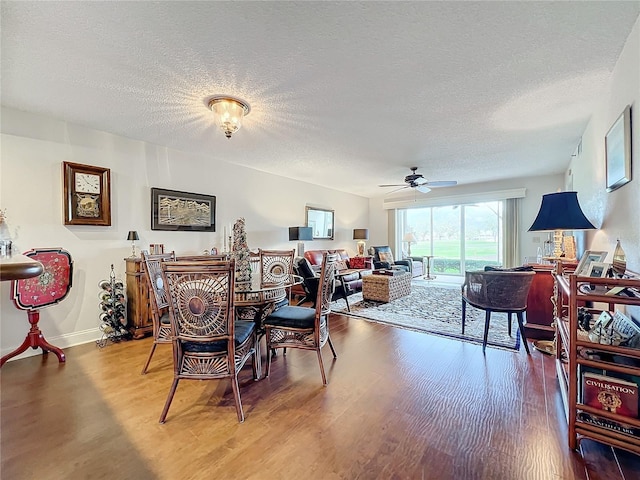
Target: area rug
<point>435,310</point>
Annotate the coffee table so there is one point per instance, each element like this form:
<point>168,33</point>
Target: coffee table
<point>386,288</point>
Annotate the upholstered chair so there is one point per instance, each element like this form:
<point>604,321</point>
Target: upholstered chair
<point>383,258</point>
<point>497,291</point>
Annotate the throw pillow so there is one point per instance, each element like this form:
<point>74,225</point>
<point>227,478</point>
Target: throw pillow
<point>341,265</point>
<point>386,257</point>
<point>357,262</point>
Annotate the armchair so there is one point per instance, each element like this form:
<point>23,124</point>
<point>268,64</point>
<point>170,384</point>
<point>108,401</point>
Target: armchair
<point>497,291</point>
<point>311,282</point>
<point>383,258</point>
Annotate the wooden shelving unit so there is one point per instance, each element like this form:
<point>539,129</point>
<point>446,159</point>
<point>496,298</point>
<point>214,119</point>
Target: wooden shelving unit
<point>573,348</point>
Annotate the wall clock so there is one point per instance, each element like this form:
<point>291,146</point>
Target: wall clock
<point>87,194</point>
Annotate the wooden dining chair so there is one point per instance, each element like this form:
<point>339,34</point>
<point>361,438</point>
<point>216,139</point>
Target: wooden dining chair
<point>159,301</point>
<point>303,327</point>
<point>497,291</point>
<point>207,342</point>
<point>275,267</point>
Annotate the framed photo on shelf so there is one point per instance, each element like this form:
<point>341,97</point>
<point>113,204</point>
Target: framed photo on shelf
<point>618,151</point>
<point>598,269</point>
<point>588,257</point>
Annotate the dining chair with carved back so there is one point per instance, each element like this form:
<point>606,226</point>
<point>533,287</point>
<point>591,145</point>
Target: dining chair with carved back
<point>159,301</point>
<point>275,267</point>
<point>208,343</point>
<point>303,327</point>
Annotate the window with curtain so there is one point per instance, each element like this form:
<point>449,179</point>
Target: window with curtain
<point>459,237</point>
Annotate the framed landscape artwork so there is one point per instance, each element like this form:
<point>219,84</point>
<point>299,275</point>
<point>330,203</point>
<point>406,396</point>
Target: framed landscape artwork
<point>182,211</point>
<point>618,151</point>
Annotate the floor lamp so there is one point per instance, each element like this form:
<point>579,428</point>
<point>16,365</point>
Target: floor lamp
<point>558,212</point>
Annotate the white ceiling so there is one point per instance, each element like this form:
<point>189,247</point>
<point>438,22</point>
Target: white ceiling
<point>347,95</point>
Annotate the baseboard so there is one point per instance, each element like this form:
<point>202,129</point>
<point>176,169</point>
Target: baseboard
<point>62,341</point>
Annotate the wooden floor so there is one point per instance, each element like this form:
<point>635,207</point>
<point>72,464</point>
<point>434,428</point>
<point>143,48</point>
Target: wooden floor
<point>399,405</point>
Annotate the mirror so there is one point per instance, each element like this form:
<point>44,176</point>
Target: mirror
<point>321,223</point>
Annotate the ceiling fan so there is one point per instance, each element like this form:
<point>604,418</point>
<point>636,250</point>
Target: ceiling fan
<point>417,181</point>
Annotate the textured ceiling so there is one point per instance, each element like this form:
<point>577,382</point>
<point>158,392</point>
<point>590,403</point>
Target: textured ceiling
<point>347,95</point>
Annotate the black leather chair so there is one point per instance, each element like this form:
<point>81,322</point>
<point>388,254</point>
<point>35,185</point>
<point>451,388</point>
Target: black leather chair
<point>311,282</point>
<point>383,258</point>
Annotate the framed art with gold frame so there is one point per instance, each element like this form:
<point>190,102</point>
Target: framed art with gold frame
<point>87,194</point>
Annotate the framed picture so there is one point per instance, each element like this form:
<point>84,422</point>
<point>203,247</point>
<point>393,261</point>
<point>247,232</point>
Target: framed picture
<point>618,151</point>
<point>182,211</point>
<point>588,257</point>
<point>87,194</point>
<point>598,269</point>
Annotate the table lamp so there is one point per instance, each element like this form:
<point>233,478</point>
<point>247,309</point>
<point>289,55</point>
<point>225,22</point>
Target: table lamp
<point>360,234</point>
<point>559,211</point>
<point>409,238</point>
<point>299,234</point>
<point>133,236</point>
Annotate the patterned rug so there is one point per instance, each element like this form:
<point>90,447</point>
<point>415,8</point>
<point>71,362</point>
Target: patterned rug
<point>435,310</point>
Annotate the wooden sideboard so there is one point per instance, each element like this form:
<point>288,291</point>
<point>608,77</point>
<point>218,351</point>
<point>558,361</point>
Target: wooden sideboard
<point>138,306</point>
<point>539,302</point>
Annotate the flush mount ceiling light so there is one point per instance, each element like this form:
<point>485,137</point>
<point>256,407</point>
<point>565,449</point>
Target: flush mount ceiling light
<point>228,113</point>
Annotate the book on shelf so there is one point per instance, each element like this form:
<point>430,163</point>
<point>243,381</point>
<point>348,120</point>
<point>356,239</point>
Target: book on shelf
<point>610,394</point>
<point>610,424</point>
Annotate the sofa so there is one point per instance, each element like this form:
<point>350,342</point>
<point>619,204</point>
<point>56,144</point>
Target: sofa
<point>360,265</point>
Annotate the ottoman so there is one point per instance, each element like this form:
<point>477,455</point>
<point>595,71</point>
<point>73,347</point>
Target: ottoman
<point>386,288</point>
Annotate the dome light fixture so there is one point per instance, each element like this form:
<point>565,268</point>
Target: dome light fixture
<point>228,112</point>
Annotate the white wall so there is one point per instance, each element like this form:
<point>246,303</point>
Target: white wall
<point>33,149</point>
<point>381,234</point>
<point>615,213</point>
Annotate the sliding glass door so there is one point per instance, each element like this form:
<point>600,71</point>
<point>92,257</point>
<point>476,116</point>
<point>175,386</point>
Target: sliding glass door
<point>459,237</point>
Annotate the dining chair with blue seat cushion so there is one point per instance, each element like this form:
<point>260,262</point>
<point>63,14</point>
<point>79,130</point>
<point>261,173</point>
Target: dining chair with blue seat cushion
<point>207,342</point>
<point>159,301</point>
<point>303,327</point>
<point>383,259</point>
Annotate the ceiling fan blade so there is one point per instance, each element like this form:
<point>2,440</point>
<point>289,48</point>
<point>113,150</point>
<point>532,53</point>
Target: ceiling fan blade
<point>420,181</point>
<point>442,183</point>
<point>393,185</point>
<point>397,190</point>
<point>423,188</point>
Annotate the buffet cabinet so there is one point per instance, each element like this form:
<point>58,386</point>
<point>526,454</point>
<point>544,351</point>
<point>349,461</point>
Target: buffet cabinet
<point>540,307</point>
<point>138,303</point>
<point>598,378</point>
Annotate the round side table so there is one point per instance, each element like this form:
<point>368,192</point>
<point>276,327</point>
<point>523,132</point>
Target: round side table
<point>426,260</point>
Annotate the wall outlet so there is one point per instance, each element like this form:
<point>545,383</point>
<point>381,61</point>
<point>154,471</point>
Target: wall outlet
<point>536,239</point>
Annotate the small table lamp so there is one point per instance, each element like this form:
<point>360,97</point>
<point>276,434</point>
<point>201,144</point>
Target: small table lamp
<point>361,234</point>
<point>298,234</point>
<point>409,238</point>
<point>133,236</point>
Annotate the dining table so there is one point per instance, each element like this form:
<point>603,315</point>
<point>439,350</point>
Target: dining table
<point>255,300</point>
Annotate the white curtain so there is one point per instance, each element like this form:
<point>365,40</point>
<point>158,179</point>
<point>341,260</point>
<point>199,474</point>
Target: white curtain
<point>511,228</point>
